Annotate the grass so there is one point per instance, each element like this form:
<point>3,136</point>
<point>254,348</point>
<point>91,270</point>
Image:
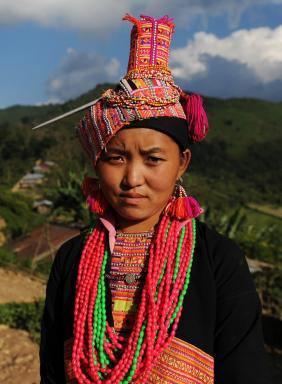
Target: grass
<point>25,316</point>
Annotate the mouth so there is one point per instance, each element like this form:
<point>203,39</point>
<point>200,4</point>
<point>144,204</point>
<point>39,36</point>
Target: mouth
<point>132,198</point>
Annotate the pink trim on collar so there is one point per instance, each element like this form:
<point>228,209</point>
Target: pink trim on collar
<point>109,223</point>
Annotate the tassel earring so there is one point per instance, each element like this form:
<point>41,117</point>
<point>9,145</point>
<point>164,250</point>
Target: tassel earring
<point>182,207</point>
<point>94,196</point>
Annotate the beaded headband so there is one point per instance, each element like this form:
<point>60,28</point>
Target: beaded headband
<point>146,91</point>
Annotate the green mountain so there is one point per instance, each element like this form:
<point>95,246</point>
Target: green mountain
<point>241,154</point>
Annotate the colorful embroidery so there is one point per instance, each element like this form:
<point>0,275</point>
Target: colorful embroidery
<point>129,258</point>
<point>183,363</point>
<point>150,41</point>
<point>180,363</point>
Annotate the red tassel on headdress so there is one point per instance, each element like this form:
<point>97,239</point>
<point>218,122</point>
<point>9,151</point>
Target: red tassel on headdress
<point>94,196</point>
<point>183,207</point>
<point>198,124</point>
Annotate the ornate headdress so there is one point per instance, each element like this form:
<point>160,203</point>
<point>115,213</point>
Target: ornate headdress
<point>146,96</point>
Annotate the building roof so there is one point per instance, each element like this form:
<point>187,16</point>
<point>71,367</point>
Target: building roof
<point>47,203</point>
<point>32,176</point>
<point>42,242</point>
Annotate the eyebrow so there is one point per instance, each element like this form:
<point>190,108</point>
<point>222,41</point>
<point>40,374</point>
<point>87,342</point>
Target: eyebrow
<point>152,150</point>
<point>142,151</point>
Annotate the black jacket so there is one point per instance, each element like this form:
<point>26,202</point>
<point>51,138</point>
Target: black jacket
<point>221,311</point>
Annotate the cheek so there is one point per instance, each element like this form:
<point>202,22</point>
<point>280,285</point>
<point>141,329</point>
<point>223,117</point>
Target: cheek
<point>162,180</point>
<point>109,178</point>
<point>110,184</point>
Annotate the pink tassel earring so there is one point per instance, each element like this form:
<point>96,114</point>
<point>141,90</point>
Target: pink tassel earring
<point>94,196</point>
<point>182,207</point>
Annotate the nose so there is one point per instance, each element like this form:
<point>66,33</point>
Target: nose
<point>133,176</point>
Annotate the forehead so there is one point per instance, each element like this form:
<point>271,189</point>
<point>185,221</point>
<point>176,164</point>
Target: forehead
<point>131,138</point>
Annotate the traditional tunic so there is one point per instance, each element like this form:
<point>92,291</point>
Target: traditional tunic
<point>219,337</point>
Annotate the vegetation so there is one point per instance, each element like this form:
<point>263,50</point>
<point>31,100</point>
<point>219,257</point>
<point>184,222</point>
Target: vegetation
<point>17,212</point>
<point>235,173</point>
<point>240,155</point>
<point>64,190</point>
<point>7,257</point>
<point>26,316</point>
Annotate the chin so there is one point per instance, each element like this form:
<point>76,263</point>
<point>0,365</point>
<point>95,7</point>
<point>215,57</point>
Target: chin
<point>134,214</point>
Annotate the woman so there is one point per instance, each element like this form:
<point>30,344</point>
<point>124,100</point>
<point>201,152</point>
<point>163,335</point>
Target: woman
<point>148,294</point>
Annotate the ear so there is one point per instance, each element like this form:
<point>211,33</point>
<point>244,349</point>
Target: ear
<point>185,161</point>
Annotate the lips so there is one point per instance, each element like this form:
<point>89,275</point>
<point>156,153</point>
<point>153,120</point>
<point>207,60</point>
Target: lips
<point>133,195</point>
<point>132,198</point>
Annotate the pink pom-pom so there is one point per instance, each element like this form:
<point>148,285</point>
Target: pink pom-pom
<point>183,208</point>
<point>198,124</point>
<point>193,208</point>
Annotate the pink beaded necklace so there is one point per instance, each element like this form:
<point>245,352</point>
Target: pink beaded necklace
<point>99,354</point>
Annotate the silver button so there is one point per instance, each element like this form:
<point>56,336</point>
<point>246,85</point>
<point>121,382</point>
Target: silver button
<point>129,278</point>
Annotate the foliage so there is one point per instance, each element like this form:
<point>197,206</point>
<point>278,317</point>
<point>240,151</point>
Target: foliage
<point>64,190</point>
<point>239,150</point>
<point>16,210</point>
<point>259,234</point>
<point>43,268</point>
<point>26,316</point>
<point>7,257</point>
<point>269,286</point>
<point>19,148</point>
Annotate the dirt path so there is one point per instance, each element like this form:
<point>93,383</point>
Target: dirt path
<point>19,287</point>
<point>19,363</point>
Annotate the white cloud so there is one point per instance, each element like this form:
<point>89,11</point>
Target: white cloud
<point>227,79</point>
<point>79,72</point>
<point>48,102</point>
<point>106,15</point>
<point>247,63</point>
<point>258,49</point>
<point>82,15</point>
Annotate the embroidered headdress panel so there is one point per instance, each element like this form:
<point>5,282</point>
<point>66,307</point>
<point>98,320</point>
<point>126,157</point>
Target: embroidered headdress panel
<point>150,42</point>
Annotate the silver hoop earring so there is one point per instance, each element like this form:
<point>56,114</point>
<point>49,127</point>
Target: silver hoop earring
<point>180,180</point>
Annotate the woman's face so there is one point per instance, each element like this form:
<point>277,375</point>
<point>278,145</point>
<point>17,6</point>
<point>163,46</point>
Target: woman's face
<point>137,174</point>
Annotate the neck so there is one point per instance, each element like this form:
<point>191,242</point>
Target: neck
<point>131,226</point>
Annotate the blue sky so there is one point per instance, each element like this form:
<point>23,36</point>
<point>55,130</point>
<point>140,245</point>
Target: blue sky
<point>54,50</point>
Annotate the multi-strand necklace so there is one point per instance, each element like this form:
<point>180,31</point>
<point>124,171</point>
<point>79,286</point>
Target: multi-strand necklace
<point>99,354</point>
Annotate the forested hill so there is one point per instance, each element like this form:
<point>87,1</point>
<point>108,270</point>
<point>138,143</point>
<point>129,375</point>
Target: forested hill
<point>242,150</point>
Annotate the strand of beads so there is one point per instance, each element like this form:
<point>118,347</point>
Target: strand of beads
<point>164,302</point>
<point>99,323</point>
<point>100,355</point>
<point>177,289</point>
<point>144,367</point>
<point>88,274</point>
<point>162,341</point>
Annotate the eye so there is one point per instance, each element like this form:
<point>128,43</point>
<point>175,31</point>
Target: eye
<point>155,159</point>
<point>114,159</point>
